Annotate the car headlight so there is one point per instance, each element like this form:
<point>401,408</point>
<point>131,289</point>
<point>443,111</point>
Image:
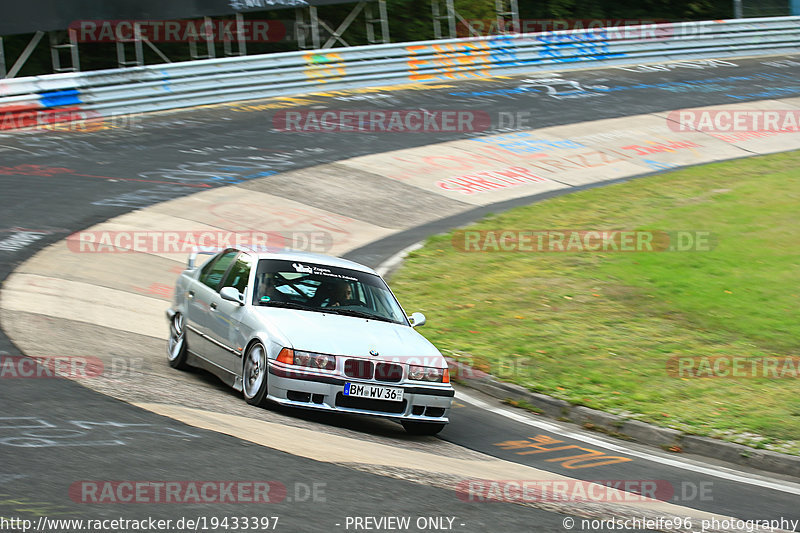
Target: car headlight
<point>307,359</point>
<point>428,373</point>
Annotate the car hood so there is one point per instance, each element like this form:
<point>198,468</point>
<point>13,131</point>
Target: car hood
<point>344,335</point>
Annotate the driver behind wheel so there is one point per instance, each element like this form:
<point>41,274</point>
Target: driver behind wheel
<point>342,294</point>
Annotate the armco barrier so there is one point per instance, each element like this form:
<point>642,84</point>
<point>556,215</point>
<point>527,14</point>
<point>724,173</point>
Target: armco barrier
<point>50,98</point>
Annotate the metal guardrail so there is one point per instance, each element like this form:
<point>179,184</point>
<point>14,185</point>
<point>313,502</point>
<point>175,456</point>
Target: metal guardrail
<point>51,98</point>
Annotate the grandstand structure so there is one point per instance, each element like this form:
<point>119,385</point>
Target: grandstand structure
<point>62,25</point>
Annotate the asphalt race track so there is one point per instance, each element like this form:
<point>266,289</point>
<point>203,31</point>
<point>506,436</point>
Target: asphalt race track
<point>57,435</point>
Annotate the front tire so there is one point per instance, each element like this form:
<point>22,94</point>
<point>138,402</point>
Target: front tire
<point>176,345</point>
<point>254,374</point>
<point>422,428</point>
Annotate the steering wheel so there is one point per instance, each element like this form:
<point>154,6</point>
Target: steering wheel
<point>345,303</point>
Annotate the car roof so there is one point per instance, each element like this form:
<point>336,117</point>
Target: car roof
<point>295,255</point>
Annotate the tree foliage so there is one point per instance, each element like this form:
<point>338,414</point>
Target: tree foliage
<point>409,20</point>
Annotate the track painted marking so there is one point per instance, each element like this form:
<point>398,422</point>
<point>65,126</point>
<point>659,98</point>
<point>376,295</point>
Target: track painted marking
<point>719,472</point>
<point>539,443</point>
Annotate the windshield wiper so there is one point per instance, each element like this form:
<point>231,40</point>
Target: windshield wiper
<point>287,305</point>
<point>359,314</point>
<point>334,310</point>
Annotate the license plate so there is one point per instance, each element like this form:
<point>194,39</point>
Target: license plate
<point>360,390</point>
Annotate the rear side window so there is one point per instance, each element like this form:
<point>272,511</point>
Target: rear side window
<point>239,274</point>
<point>212,273</point>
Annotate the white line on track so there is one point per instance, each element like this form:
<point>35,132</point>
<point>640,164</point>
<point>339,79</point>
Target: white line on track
<point>693,466</point>
<point>686,464</point>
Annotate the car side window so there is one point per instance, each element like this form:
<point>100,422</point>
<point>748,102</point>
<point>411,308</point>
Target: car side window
<point>212,273</point>
<point>239,274</point>
<point>207,266</point>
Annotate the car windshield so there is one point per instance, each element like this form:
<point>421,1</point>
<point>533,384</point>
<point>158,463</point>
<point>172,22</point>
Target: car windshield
<point>323,288</point>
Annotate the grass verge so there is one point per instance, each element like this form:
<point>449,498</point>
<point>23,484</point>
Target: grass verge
<point>598,329</point>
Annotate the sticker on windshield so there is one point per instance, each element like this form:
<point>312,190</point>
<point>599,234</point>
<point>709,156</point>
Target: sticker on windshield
<point>320,271</point>
<point>302,268</point>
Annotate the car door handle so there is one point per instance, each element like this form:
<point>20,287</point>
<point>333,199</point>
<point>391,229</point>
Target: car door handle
<point>190,295</point>
<point>213,306</point>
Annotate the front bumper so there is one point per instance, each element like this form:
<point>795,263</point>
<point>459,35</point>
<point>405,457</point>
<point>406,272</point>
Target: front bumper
<point>421,403</point>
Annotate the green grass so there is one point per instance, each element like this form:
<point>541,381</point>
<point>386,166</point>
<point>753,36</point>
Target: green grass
<point>597,329</point>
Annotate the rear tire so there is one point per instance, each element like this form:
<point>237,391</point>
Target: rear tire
<point>254,374</point>
<point>176,345</point>
<point>422,428</point>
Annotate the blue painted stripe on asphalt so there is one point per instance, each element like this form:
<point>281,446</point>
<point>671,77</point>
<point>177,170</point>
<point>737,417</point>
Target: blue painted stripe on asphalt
<point>60,98</point>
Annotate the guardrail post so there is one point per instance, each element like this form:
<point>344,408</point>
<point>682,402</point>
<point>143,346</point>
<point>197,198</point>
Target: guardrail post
<point>241,43</point>
<point>208,36</point>
<point>303,28</point>
<point>381,21</point>
<point>507,16</point>
<point>71,45</point>
<point>231,79</point>
<point>737,9</point>
<point>449,16</point>
<point>136,39</point>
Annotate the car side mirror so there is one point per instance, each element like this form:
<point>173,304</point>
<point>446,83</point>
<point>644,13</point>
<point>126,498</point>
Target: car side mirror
<point>417,320</point>
<point>232,295</point>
